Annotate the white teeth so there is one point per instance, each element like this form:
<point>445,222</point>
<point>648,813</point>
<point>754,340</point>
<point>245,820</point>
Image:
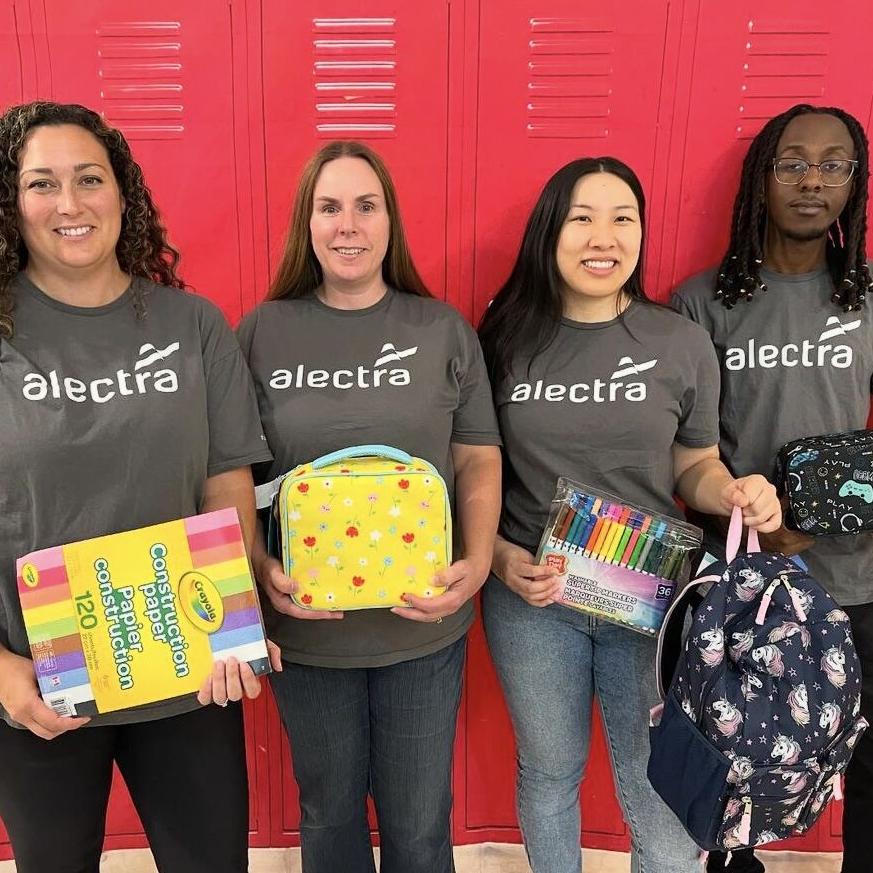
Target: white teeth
<point>349,251</point>
<point>73,231</point>
<point>599,265</point>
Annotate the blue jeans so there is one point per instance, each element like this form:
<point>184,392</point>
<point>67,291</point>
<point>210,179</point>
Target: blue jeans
<point>551,662</point>
<point>388,731</point>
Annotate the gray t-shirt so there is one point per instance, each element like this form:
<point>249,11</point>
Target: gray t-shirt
<point>406,372</point>
<point>603,405</point>
<point>792,365</point>
<point>111,423</point>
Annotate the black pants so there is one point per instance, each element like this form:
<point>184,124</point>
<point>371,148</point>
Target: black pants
<point>186,775</point>
<point>858,808</point>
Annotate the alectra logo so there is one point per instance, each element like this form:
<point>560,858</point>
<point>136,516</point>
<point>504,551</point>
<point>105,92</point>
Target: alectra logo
<point>620,386</point>
<point>121,383</point>
<point>807,353</point>
<point>378,375</point>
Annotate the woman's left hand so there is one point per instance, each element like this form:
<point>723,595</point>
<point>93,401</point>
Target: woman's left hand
<point>757,498</point>
<point>461,581</point>
<point>230,679</point>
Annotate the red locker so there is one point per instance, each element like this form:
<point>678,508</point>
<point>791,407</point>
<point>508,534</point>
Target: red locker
<point>750,61</point>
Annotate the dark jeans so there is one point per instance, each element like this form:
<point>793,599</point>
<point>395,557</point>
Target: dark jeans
<point>388,731</point>
<point>186,775</point>
<point>858,808</point>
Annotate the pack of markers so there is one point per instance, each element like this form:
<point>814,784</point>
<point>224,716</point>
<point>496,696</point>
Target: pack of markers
<point>617,561</point>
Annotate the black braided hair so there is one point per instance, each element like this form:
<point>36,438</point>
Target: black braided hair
<point>739,275</point>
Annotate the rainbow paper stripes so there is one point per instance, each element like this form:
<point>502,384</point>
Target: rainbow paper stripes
<point>617,561</point>
<point>134,618</point>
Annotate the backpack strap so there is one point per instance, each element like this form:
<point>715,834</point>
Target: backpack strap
<point>735,534</point>
<point>670,636</point>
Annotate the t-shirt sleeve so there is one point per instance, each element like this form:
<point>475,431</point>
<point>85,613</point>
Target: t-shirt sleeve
<point>475,421</point>
<point>698,420</point>
<point>236,438</point>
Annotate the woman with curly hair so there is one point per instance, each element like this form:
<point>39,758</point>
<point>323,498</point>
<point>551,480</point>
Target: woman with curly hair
<point>126,402</point>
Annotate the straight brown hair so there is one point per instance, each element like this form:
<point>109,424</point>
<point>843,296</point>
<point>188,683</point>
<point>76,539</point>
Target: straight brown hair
<point>299,272</point>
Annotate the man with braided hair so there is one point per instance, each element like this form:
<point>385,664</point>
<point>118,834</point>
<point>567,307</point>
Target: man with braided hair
<point>787,314</point>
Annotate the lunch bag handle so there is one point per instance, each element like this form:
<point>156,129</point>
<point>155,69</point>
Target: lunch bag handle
<point>373,451</point>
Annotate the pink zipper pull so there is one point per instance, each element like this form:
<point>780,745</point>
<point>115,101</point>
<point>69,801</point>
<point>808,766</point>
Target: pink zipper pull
<point>744,834</point>
<point>765,602</point>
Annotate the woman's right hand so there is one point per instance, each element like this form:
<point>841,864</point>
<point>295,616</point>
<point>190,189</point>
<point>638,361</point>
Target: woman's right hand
<point>516,568</point>
<point>278,587</point>
<point>19,696</point>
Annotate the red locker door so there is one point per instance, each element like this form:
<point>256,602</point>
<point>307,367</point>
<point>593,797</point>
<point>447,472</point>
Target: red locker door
<point>557,82</point>
<point>752,60</point>
<point>10,56</point>
<point>163,72</point>
<point>352,69</point>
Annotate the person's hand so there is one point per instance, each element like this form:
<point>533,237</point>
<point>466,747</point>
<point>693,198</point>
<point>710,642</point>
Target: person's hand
<point>19,695</point>
<point>230,679</point>
<point>278,587</point>
<point>757,498</point>
<point>537,584</point>
<point>460,580</point>
<point>788,542</point>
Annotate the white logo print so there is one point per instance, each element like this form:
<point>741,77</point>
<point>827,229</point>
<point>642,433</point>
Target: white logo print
<point>121,383</point>
<point>363,376</point>
<point>152,354</point>
<point>807,353</point>
<point>390,353</point>
<point>598,391</point>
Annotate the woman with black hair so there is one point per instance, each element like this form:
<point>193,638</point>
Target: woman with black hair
<point>798,361</point>
<point>595,382</point>
<point>126,402</point>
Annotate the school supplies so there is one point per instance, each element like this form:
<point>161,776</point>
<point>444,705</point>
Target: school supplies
<point>828,481</point>
<point>138,617</point>
<point>360,527</point>
<point>617,561</point>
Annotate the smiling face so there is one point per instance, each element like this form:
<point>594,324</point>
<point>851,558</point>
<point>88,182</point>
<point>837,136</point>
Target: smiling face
<point>599,244</point>
<point>805,211</point>
<point>349,225</point>
<point>69,202</point>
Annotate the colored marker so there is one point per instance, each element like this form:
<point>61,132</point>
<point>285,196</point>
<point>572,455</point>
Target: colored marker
<point>657,551</point>
<point>558,526</point>
<point>625,539</point>
<point>636,554</point>
<point>601,529</point>
<point>589,524</point>
<point>615,530</point>
<point>579,523</point>
<point>629,550</point>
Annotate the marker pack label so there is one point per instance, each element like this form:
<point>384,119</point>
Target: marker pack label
<point>133,618</point>
<point>618,561</point>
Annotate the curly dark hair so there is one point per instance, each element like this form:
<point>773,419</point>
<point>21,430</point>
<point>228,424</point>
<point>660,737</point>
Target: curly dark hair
<point>142,248</point>
<point>739,275</point>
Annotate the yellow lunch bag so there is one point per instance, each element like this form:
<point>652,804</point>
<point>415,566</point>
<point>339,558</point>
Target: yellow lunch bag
<point>362,526</point>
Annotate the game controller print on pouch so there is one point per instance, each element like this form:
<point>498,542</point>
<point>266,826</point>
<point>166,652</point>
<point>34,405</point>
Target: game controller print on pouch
<point>829,483</point>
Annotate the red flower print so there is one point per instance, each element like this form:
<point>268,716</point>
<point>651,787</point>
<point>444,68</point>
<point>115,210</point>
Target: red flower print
<point>302,487</point>
<point>309,541</point>
<point>408,537</point>
<point>403,483</point>
<point>399,468</point>
<point>307,599</point>
<point>357,581</point>
<point>351,531</point>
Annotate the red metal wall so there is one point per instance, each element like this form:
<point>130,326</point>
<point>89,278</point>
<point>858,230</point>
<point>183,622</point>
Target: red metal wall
<point>473,103</point>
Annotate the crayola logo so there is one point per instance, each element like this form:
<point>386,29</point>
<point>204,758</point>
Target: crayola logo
<point>201,602</point>
<point>30,575</point>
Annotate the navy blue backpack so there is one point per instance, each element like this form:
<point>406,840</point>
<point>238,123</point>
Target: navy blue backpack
<point>762,711</point>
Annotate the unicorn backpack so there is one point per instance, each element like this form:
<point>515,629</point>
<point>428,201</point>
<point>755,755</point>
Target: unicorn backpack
<point>761,714</point>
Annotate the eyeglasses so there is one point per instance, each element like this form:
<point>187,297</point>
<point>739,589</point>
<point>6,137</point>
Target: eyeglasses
<point>833,173</point>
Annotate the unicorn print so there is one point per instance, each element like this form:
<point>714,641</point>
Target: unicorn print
<point>742,643</point>
<point>805,599</point>
<point>829,719</point>
<point>732,839</point>
<point>798,700</point>
<point>786,749</point>
<point>751,584</point>
<point>687,708</point>
<point>741,769</point>
<point>835,616</point>
<point>795,781</point>
<point>747,683</point>
<point>734,805</point>
<point>728,720</point>
<point>789,629</point>
<point>833,664</point>
<point>714,652</point>
<point>770,658</point>
<point>766,837</point>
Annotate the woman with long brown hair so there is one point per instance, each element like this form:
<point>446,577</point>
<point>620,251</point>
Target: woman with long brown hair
<point>369,698</point>
<point>103,356</point>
